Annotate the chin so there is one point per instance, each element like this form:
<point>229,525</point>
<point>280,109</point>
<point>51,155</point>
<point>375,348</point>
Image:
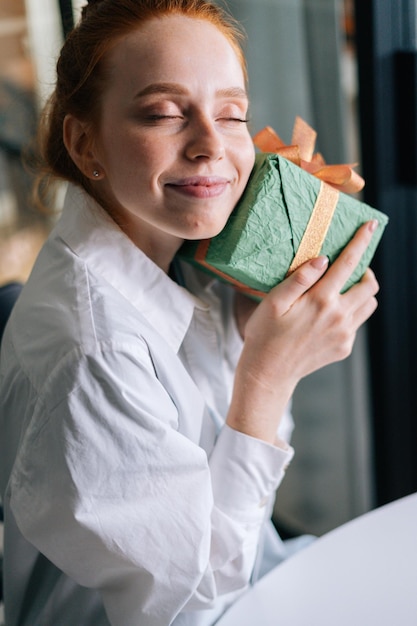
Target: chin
<point>206,229</point>
<point>203,233</point>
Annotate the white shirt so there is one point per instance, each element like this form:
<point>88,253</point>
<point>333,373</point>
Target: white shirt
<point>122,486</point>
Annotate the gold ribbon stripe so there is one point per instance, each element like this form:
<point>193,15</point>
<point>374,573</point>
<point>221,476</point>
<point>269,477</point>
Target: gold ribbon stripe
<point>317,227</point>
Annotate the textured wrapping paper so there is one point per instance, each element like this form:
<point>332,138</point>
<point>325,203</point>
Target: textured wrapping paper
<point>257,247</point>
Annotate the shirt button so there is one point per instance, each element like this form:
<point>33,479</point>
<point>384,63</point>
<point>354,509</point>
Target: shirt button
<point>263,502</point>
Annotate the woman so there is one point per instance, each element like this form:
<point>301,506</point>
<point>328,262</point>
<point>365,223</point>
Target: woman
<point>142,439</point>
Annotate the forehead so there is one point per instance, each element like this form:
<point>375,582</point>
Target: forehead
<point>175,45</point>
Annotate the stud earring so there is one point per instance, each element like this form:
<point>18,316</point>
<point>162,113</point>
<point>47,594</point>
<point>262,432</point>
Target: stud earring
<point>96,174</point>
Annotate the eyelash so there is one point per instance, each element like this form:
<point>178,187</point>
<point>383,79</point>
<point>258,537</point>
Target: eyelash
<point>162,117</point>
<point>173,117</point>
<point>236,119</point>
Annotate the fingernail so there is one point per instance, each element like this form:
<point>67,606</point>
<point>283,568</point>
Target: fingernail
<point>320,262</point>
<point>373,226</point>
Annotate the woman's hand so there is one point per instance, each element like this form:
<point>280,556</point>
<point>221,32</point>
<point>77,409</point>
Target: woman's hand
<point>302,325</point>
<point>244,306</point>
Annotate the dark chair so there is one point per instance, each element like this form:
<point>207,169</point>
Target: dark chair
<point>9,293</point>
<point>8,296</point>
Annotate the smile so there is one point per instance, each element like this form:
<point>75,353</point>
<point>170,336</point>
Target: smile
<point>200,186</point>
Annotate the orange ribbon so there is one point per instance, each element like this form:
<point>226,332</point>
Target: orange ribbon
<point>301,152</point>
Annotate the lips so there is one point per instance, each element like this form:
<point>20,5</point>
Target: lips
<point>200,186</point>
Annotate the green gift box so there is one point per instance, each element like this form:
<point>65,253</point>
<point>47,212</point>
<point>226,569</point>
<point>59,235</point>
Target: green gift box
<point>257,247</point>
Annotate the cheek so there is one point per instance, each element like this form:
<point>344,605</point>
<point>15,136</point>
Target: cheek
<point>126,157</point>
<point>246,158</point>
<point>147,157</point>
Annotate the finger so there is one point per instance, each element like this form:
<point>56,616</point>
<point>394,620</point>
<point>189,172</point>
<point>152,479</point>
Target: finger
<point>364,313</point>
<point>366,288</point>
<point>346,263</point>
<point>368,284</point>
<point>361,297</point>
<point>300,281</point>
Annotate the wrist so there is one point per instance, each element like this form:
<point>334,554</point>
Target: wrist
<point>257,407</point>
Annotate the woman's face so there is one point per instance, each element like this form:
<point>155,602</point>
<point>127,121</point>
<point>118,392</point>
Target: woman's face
<point>173,148</point>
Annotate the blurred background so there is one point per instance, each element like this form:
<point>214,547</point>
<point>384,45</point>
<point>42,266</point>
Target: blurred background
<point>349,69</point>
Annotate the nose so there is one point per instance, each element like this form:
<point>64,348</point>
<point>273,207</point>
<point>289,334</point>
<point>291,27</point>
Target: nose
<point>205,141</point>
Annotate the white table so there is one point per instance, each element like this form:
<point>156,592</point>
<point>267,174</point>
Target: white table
<point>361,574</point>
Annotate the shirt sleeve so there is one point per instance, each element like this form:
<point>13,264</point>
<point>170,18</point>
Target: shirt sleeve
<point>109,489</point>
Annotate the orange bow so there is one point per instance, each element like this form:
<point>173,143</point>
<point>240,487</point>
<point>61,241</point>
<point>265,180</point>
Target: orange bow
<point>301,152</point>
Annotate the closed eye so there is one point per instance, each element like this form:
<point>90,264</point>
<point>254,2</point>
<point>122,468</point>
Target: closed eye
<point>157,118</point>
<point>232,121</point>
<point>163,117</point>
<point>235,119</point>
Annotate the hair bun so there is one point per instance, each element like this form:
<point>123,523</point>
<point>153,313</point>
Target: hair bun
<point>89,6</point>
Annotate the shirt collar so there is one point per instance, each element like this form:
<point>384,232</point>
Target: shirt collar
<point>94,237</point>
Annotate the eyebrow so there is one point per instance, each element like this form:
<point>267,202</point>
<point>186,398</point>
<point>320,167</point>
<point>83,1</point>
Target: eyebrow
<point>179,90</point>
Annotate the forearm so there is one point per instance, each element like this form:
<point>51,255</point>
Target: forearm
<point>257,406</point>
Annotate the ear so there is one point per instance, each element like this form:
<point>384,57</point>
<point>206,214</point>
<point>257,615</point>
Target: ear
<point>78,141</point>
